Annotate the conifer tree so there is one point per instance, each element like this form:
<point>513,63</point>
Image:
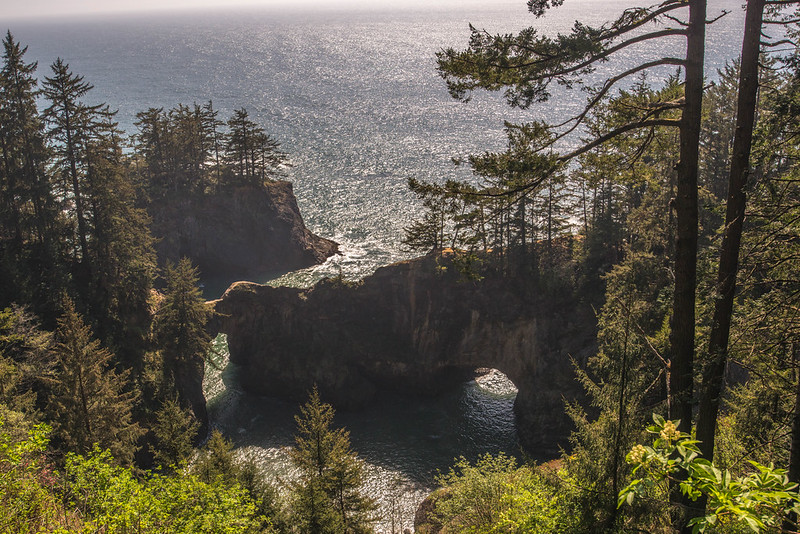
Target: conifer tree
<point>181,335</point>
<point>70,121</point>
<point>25,361</point>
<point>153,144</point>
<point>211,125</point>
<point>327,498</point>
<point>29,213</point>
<point>253,155</point>
<point>525,65</point>
<point>216,462</point>
<point>24,152</point>
<point>175,432</point>
<point>121,247</point>
<point>113,257</point>
<point>89,401</point>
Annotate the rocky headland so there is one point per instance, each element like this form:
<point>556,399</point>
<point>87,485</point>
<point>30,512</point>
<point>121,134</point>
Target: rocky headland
<point>414,326</point>
<point>238,232</point>
<point>234,233</point>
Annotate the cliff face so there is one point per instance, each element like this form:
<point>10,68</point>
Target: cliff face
<point>413,326</point>
<point>240,232</point>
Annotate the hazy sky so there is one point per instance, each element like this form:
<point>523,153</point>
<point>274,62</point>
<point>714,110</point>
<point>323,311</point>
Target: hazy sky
<point>50,8</point>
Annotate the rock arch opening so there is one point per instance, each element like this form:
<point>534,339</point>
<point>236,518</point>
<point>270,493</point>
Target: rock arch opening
<point>411,327</point>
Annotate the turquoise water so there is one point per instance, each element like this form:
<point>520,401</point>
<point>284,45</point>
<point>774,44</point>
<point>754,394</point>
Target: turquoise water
<point>354,99</point>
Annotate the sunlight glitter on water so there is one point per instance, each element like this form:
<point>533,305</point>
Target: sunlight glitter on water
<point>404,441</point>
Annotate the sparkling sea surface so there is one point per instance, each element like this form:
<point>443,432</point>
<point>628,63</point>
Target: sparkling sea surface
<point>354,98</point>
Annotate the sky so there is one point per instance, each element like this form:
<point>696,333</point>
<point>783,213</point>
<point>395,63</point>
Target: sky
<point>15,9</point>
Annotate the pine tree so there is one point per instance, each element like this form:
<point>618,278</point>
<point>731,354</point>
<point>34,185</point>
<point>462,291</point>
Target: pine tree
<point>253,155</point>
<point>182,337</point>
<point>211,125</point>
<point>121,248</point>
<point>327,498</point>
<point>217,462</point>
<point>29,212</point>
<point>89,401</point>
<point>175,432</point>
<point>154,145</point>
<point>26,361</point>
<point>70,121</point>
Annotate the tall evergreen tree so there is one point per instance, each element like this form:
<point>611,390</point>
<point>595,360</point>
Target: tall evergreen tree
<point>89,402</point>
<point>211,126</point>
<point>253,156</point>
<point>524,65</point>
<point>153,143</point>
<point>175,431</point>
<point>181,335</point>
<point>28,208</point>
<point>713,376</point>
<point>113,259</point>
<point>121,247</point>
<point>26,361</point>
<point>70,123</point>
<point>327,498</point>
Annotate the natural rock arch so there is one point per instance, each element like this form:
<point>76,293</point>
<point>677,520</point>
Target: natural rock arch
<point>410,326</point>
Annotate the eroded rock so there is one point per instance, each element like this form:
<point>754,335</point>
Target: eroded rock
<point>238,232</point>
<point>416,326</point>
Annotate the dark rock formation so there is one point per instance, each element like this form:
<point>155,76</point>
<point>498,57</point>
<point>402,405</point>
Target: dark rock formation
<point>189,383</point>
<point>425,521</point>
<point>416,326</point>
<point>240,232</point>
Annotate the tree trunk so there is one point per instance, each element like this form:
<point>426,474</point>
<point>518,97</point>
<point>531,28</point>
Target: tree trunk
<point>794,455</point>
<point>713,376</point>
<point>683,316</point>
<point>683,311</point>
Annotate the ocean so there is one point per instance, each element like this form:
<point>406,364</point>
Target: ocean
<point>353,96</point>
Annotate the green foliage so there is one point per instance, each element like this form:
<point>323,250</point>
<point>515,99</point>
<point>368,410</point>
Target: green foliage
<point>89,402</point>
<point>27,502</point>
<point>180,332</point>
<point>181,318</point>
<point>526,64</point>
<point>183,151</point>
<point>511,216</point>
<point>217,464</point>
<point>96,494</point>
<point>111,256</point>
<point>180,149</point>
<point>175,431</point>
<point>26,360</point>
<point>327,498</point>
<point>112,499</point>
<point>216,461</point>
<point>759,500</point>
<point>497,496</point>
<point>252,155</point>
<point>30,221</point>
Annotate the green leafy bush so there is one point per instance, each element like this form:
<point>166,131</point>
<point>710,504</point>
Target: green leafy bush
<point>26,502</point>
<point>497,496</point>
<point>759,501</point>
<point>114,500</point>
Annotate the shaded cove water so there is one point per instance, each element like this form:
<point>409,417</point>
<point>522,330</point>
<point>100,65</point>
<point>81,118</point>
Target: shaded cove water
<point>404,441</point>
<point>353,97</point>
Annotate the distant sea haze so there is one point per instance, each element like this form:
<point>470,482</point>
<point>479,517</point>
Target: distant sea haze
<point>352,95</point>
